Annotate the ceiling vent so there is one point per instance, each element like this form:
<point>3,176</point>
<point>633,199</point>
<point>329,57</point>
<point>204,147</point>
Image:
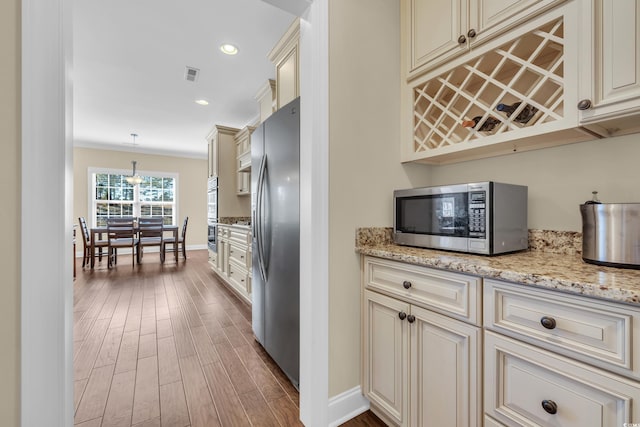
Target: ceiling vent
<point>191,75</point>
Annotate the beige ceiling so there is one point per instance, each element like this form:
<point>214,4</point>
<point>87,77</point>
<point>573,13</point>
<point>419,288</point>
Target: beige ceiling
<point>129,65</point>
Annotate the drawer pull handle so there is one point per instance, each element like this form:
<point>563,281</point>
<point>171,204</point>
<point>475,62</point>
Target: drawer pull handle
<point>548,322</point>
<point>406,284</point>
<point>402,315</point>
<point>411,318</point>
<point>549,406</point>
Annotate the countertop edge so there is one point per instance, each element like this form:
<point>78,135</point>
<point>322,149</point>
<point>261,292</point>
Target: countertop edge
<point>478,266</point>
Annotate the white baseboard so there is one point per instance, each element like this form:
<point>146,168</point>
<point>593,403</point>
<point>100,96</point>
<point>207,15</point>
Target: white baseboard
<point>347,405</point>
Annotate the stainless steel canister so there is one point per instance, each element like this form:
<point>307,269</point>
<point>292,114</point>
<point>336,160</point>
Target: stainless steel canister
<point>611,234</point>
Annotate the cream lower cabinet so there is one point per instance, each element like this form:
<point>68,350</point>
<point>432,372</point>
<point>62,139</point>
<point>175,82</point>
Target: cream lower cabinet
<point>529,386</point>
<point>233,259</point>
<point>421,368</point>
<point>557,360</point>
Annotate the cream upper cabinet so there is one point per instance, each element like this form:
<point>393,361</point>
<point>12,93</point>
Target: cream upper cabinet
<point>437,30</point>
<point>610,95</point>
<point>453,113</point>
<point>266,98</point>
<point>433,28</point>
<point>223,159</point>
<point>212,152</point>
<point>286,57</point>
<point>243,160</point>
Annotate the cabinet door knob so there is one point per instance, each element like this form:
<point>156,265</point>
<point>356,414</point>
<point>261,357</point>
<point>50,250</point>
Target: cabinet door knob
<point>462,39</point>
<point>549,406</point>
<point>406,284</point>
<point>584,104</point>
<point>548,322</point>
<point>471,34</point>
<point>411,318</point>
<point>402,315</point>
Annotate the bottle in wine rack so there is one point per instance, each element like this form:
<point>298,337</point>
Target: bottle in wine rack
<point>486,126</point>
<point>523,117</point>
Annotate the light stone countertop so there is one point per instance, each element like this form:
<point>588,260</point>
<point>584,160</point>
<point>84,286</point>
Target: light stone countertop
<point>557,271</point>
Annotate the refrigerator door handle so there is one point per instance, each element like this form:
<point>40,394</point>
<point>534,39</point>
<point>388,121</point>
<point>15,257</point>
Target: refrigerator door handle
<point>259,218</point>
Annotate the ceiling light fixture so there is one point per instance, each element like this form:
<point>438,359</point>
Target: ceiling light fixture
<point>229,49</point>
<point>134,179</point>
<point>202,102</point>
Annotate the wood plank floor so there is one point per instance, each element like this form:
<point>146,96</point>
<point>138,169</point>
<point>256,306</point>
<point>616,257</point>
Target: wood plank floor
<point>169,345</point>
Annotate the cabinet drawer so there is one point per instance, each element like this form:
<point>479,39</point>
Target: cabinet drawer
<point>223,232</point>
<point>240,255</point>
<point>528,386</point>
<point>456,295</point>
<point>240,236</point>
<point>238,278</point>
<point>593,331</point>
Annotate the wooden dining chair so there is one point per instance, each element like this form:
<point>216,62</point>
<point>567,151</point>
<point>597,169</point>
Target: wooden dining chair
<point>121,234</point>
<point>150,233</point>
<point>86,238</point>
<point>167,244</point>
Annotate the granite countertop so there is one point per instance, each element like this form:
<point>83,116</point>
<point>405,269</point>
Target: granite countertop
<point>562,270</point>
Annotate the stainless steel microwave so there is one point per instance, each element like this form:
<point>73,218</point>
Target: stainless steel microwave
<point>482,217</point>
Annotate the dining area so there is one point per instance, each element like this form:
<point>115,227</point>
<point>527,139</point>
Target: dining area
<point>128,235</point>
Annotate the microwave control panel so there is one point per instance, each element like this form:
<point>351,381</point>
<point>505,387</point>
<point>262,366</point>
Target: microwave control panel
<point>477,214</point>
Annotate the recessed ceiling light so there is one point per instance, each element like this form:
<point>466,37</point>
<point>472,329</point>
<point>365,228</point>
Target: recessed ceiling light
<point>229,49</point>
<point>202,102</point>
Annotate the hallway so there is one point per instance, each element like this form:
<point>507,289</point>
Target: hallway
<point>169,345</point>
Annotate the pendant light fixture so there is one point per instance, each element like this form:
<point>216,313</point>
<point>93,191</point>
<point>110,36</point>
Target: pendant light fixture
<point>134,179</point>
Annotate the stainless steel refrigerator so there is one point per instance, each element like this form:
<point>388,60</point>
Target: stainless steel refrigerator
<point>275,206</point>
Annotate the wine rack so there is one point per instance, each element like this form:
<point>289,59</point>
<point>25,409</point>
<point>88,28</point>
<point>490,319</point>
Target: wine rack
<point>529,69</point>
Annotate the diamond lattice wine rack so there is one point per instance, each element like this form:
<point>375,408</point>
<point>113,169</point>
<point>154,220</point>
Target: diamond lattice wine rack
<point>527,72</point>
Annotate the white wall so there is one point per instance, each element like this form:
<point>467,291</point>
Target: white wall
<point>192,184</point>
<point>560,178</point>
<point>364,168</point>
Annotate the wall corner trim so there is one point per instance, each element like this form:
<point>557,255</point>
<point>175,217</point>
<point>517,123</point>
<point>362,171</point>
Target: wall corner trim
<point>347,405</point>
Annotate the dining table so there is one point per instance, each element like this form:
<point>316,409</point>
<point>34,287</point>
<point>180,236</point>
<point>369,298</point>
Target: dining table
<point>98,231</point>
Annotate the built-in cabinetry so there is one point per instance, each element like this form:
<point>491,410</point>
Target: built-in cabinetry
<point>286,57</point>
<point>610,96</point>
<point>223,164</point>
<point>243,159</point>
<point>436,31</point>
<point>555,359</point>
<point>571,70</point>
<point>233,259</point>
<point>421,344</point>
<point>549,358</point>
<point>266,98</point>
<point>534,64</point>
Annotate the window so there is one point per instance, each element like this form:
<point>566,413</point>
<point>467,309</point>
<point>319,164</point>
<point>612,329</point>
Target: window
<point>112,196</point>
